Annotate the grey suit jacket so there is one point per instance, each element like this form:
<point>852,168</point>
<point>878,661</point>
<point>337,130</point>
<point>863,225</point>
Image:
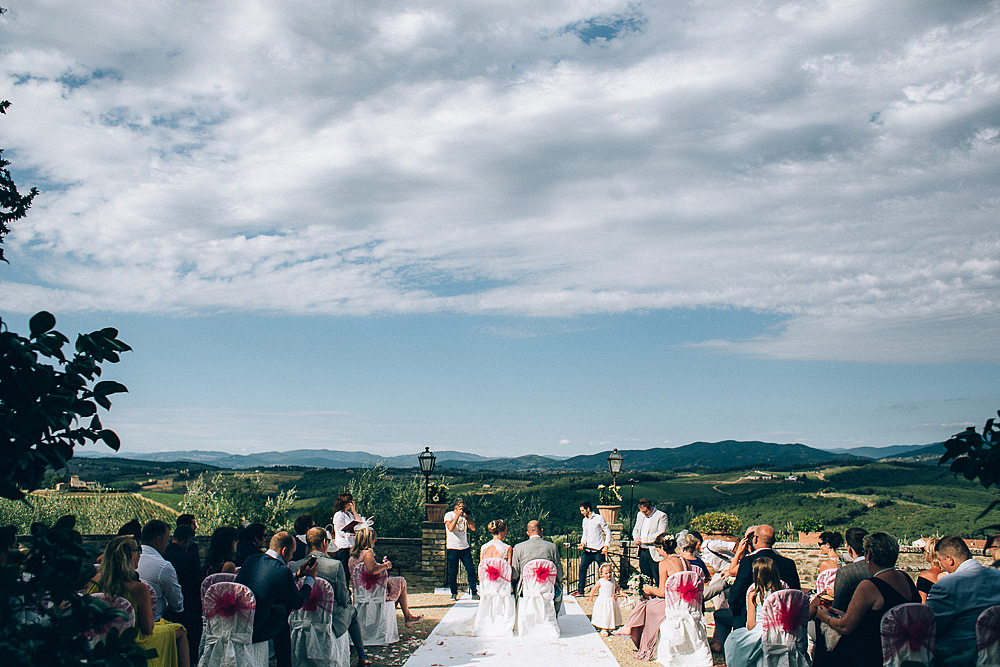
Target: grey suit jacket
<point>532,548</point>
<point>957,600</point>
<point>846,582</point>
<point>332,570</point>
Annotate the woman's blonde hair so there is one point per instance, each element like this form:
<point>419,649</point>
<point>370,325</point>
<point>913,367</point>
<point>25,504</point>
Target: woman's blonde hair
<point>765,578</point>
<point>929,550</point>
<point>496,526</point>
<point>364,538</point>
<point>117,570</point>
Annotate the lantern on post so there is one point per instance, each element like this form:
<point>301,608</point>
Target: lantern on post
<point>615,465</point>
<point>427,467</point>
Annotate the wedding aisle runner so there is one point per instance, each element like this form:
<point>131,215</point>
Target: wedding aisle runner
<point>449,645</point>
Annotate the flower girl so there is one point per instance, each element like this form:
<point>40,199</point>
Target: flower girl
<point>606,615</point>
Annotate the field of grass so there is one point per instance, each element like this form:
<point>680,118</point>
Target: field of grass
<point>172,500</point>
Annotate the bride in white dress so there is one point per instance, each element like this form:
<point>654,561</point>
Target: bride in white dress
<point>496,612</point>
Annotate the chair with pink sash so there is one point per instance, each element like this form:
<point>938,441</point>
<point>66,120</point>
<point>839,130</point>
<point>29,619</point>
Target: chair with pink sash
<point>988,637</point>
<point>683,641</point>
<point>376,615</point>
<point>826,579</point>
<point>313,641</point>
<point>536,608</point>
<point>229,609</point>
<point>207,583</point>
<point>118,623</point>
<point>908,635</point>
<point>784,619</point>
<point>496,613</point>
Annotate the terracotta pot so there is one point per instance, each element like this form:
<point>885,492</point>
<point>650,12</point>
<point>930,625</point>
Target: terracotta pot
<point>436,512</point>
<point>809,538</point>
<point>609,512</point>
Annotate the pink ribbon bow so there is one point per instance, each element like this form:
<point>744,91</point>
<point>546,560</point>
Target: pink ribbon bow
<point>225,605</point>
<point>543,572</point>
<point>914,633</point>
<point>690,592</point>
<point>369,580</point>
<point>317,601</point>
<point>493,573</point>
<point>788,613</point>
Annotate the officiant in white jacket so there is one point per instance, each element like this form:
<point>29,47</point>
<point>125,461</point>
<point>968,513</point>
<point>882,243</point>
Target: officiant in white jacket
<point>649,523</point>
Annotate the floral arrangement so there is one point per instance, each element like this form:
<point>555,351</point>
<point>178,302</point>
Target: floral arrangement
<point>636,582</point>
<point>609,495</point>
<point>438,493</point>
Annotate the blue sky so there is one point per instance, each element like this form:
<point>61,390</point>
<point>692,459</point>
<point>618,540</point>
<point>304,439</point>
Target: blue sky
<point>510,228</point>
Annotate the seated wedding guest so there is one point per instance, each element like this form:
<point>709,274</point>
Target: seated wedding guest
<point>958,598</point>
<point>117,577</point>
<point>743,647</point>
<point>930,576</point>
<point>643,625</point>
<point>221,554</point>
<point>691,552</point>
<point>250,542</point>
<point>363,551</point>
<point>276,595</point>
<point>157,572</point>
<point>992,550</point>
<point>829,544</point>
<point>496,548</point>
<point>189,521</point>
<point>345,616</point>
<point>860,624</point>
<point>852,574</point>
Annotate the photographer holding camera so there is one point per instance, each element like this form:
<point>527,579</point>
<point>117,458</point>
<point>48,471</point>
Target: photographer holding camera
<point>457,524</point>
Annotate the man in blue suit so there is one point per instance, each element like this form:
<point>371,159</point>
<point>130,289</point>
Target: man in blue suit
<point>763,544</point>
<point>275,593</point>
<point>958,599</point>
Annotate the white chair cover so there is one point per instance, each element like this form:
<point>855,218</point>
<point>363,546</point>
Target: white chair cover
<point>683,641</point>
<point>312,628</point>
<point>536,609</point>
<point>214,579</point>
<point>152,598</point>
<point>908,635</point>
<point>376,615</point>
<point>118,623</point>
<point>784,619</point>
<point>496,613</point>
<point>988,637</point>
<point>205,585</point>
<point>229,609</point>
<point>826,579</point>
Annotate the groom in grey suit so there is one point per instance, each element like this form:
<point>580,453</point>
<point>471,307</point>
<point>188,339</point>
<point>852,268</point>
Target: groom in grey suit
<point>536,547</point>
<point>345,617</point>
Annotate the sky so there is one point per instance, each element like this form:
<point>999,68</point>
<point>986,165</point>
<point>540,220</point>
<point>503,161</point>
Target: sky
<point>514,227</point>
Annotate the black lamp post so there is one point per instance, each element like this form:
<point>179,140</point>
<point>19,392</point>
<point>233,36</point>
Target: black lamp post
<point>615,465</point>
<point>427,467</point>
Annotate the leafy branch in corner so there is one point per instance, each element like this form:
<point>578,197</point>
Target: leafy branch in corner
<point>976,455</point>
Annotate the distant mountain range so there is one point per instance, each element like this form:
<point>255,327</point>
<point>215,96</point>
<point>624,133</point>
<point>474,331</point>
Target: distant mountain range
<point>697,455</point>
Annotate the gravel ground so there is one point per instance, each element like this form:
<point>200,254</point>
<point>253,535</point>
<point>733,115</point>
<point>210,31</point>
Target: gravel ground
<point>434,607</point>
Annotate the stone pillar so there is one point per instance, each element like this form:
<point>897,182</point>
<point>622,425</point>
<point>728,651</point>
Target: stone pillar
<point>433,562</point>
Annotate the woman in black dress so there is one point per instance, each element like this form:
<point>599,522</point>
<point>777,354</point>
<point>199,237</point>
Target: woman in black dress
<point>860,626</point>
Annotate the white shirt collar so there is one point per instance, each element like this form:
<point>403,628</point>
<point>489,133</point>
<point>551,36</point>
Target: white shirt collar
<point>275,555</point>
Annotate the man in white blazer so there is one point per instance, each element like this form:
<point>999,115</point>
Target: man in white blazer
<point>649,523</point>
<point>959,598</point>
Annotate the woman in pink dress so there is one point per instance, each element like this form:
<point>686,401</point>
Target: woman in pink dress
<point>363,551</point>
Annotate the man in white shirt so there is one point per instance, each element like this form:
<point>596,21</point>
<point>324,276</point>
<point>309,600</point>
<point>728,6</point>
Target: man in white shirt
<point>457,525</point>
<point>596,538</point>
<point>157,572</point>
<point>649,523</point>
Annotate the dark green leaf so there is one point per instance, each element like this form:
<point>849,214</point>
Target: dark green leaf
<point>110,438</point>
<point>41,323</point>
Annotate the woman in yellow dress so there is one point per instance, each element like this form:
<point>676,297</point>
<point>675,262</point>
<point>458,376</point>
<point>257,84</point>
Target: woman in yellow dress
<point>117,577</point>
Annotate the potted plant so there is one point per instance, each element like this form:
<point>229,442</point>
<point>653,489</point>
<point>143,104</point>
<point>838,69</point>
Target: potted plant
<point>809,530</point>
<point>437,504</point>
<point>609,502</point>
<point>717,524</point>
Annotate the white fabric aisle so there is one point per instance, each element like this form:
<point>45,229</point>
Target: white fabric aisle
<point>579,644</point>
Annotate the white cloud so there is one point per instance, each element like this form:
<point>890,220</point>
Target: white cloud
<point>325,159</point>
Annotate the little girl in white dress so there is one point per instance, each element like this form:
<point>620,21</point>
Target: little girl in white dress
<point>606,615</point>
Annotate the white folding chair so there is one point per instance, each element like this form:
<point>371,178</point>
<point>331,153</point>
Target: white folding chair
<point>683,640</point>
<point>988,637</point>
<point>118,623</point>
<point>908,635</point>
<point>784,618</point>
<point>229,609</point>
<point>536,610</point>
<point>497,612</point>
<point>376,615</point>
